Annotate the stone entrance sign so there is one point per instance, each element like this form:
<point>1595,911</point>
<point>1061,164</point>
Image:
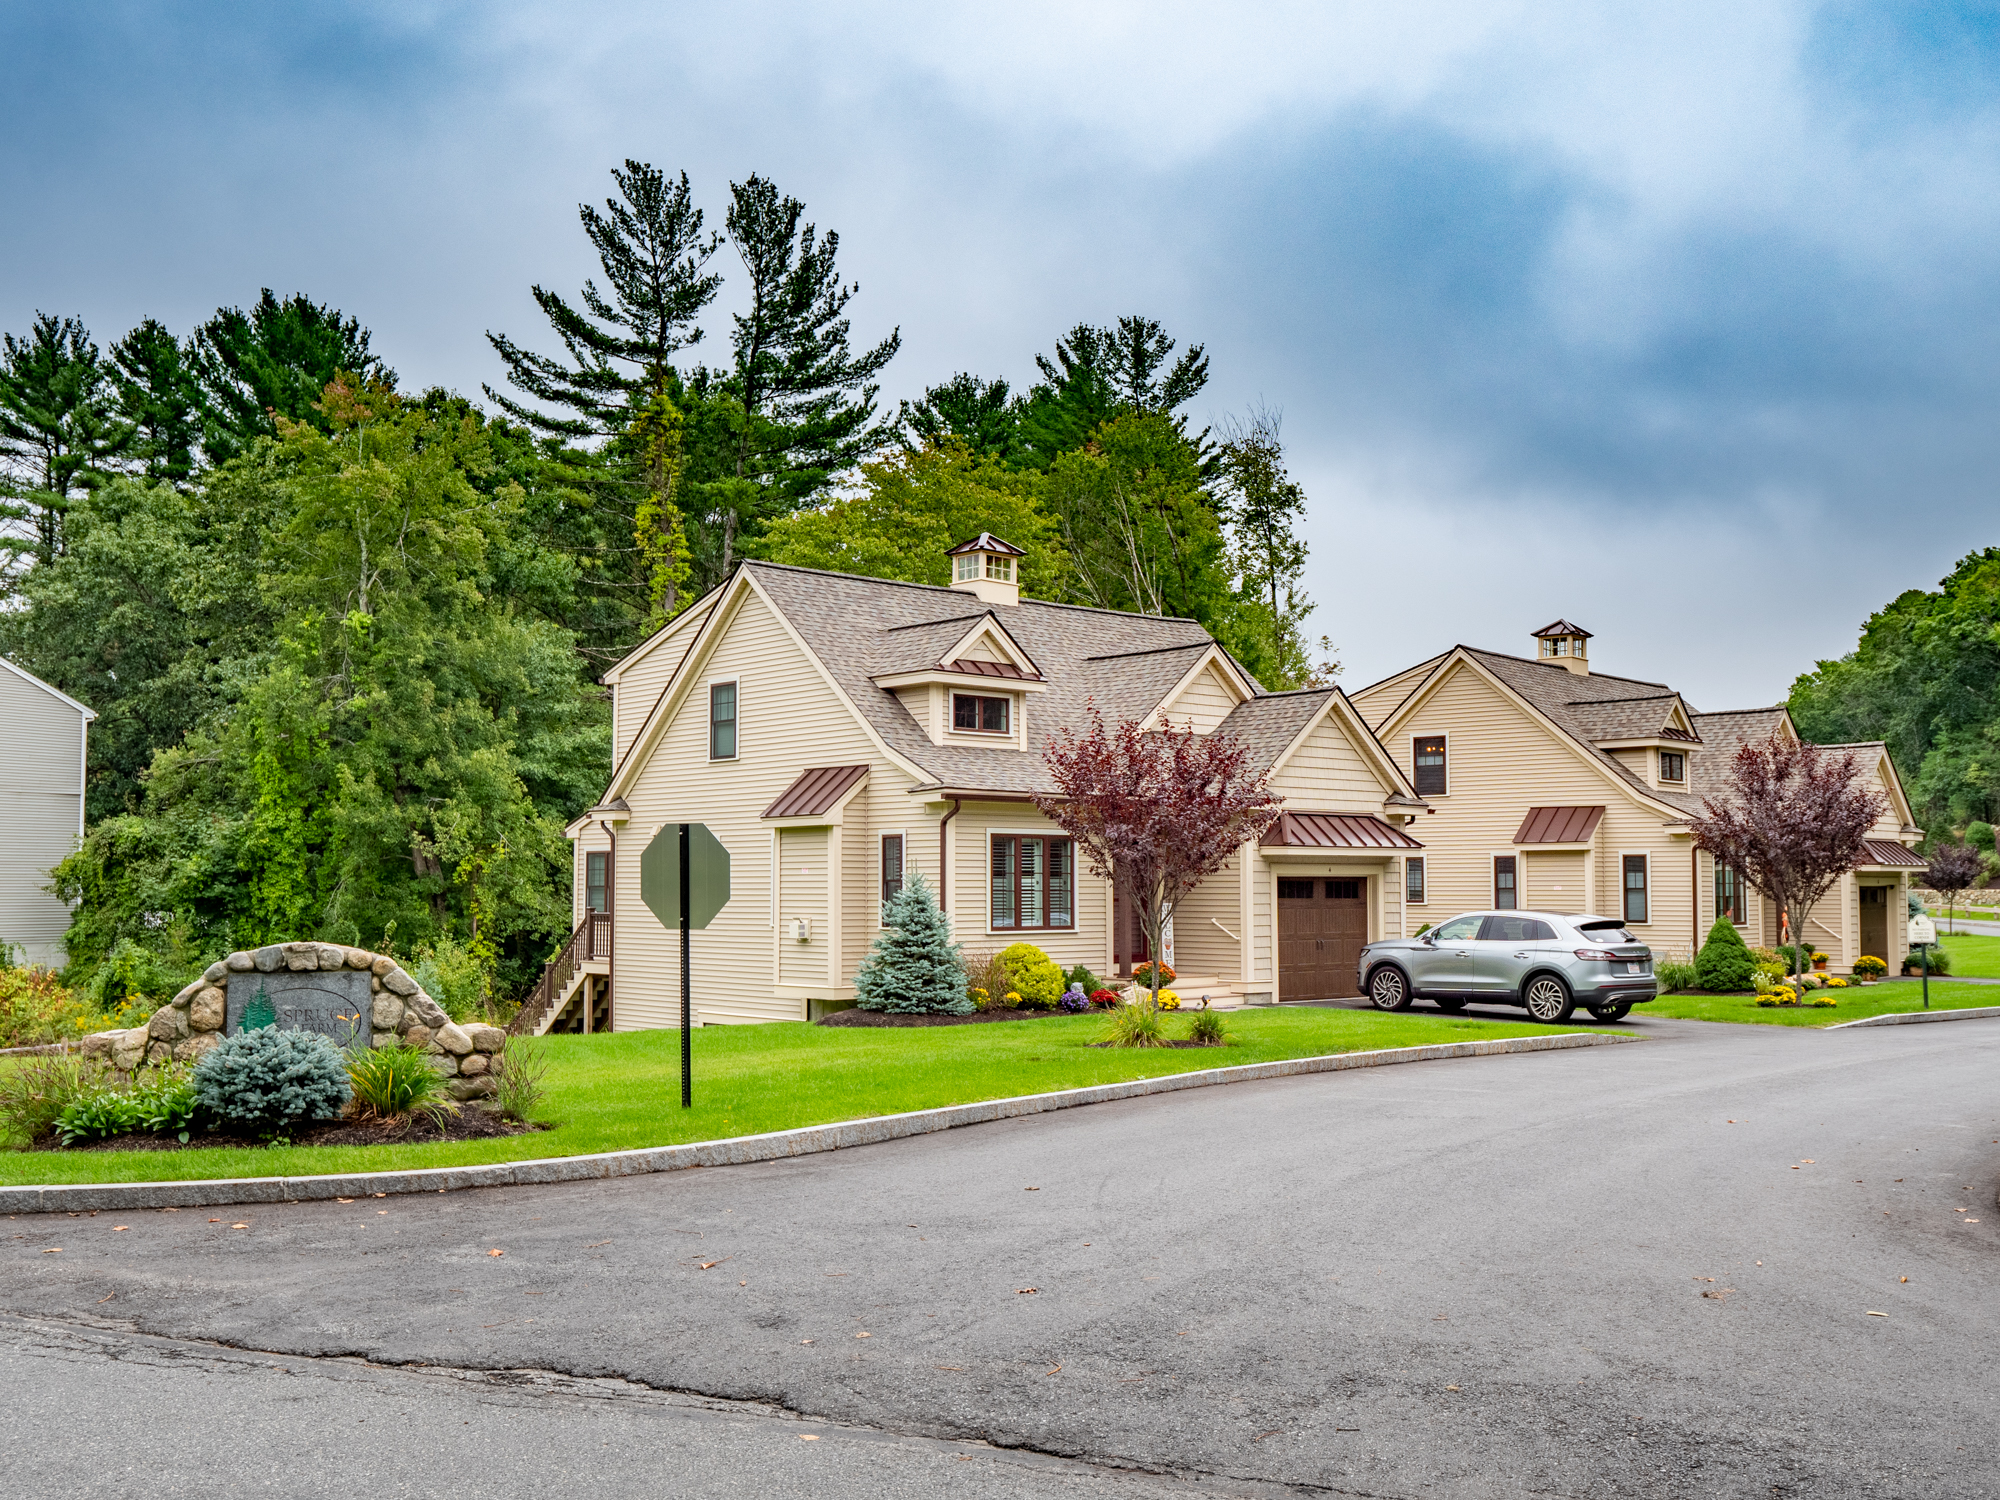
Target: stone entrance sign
<point>337,1005</point>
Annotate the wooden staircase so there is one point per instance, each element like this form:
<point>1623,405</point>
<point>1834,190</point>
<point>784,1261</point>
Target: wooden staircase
<point>574,993</point>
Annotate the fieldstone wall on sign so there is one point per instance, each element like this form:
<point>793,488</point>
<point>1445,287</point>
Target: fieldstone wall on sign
<point>356,997</point>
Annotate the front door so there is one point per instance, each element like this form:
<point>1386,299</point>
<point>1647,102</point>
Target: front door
<point>1875,921</point>
<point>1322,928</point>
<point>1128,934</point>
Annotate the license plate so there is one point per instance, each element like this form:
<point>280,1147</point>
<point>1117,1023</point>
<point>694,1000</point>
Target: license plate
<point>1635,968</point>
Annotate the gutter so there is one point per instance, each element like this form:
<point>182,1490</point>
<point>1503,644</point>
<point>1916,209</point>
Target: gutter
<point>944,863</point>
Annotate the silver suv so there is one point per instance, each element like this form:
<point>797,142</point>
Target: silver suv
<point>1546,961</point>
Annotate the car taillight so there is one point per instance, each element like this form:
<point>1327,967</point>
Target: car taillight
<point>1598,954</point>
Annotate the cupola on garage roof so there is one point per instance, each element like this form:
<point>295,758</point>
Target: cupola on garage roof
<point>1563,643</point>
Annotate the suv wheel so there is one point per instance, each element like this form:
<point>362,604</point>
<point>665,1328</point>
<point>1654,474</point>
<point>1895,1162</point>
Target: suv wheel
<point>1617,1010</point>
<point>1549,1000</point>
<point>1388,989</point>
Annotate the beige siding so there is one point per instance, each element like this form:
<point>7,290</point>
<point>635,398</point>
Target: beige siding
<point>41,801</point>
<point>802,889</point>
<point>1086,943</point>
<point>1202,949</point>
<point>592,838</point>
<point>638,687</point>
<point>1376,703</point>
<point>1554,881</point>
<point>1204,703</point>
<point>780,691</point>
<point>1326,773</point>
<point>1503,760</point>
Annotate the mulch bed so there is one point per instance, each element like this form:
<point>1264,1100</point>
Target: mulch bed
<point>859,1017</point>
<point>467,1125</point>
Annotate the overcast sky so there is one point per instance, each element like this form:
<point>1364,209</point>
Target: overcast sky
<point>1678,321</point>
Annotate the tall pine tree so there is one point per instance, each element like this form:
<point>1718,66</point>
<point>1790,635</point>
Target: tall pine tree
<point>274,361</point>
<point>57,429</point>
<point>160,398</point>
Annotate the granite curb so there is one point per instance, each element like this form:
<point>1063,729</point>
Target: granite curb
<point>1911,1017</point>
<point>774,1146</point>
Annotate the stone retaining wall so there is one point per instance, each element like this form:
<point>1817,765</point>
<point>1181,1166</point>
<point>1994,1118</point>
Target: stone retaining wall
<point>400,1014</point>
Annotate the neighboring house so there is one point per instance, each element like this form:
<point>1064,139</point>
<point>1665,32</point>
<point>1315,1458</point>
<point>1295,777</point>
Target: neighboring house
<point>1555,787</point>
<point>42,735</point>
<point>842,735</point>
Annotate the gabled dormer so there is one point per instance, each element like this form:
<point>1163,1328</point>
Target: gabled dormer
<point>973,689</point>
<point>988,569</point>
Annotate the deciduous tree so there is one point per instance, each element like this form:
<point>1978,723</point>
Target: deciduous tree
<point>1155,811</point>
<point>1953,867</point>
<point>1792,817</point>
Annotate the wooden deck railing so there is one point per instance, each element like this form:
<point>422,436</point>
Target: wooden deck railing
<point>590,942</point>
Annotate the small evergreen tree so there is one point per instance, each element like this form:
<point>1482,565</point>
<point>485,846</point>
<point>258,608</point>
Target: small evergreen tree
<point>1724,965</point>
<point>914,965</point>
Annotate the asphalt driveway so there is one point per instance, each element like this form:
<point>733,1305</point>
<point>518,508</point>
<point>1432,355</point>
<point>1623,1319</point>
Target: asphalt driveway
<point>1644,1270</point>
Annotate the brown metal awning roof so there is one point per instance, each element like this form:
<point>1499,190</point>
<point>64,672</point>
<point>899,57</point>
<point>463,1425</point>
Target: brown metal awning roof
<point>1883,852</point>
<point>990,669</point>
<point>815,791</point>
<point>1311,830</point>
<point>1558,825</point>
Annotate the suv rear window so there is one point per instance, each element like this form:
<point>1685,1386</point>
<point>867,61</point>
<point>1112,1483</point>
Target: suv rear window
<point>1606,932</point>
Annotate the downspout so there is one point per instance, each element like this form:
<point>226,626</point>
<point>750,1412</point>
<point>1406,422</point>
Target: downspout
<point>1694,903</point>
<point>943,861</point>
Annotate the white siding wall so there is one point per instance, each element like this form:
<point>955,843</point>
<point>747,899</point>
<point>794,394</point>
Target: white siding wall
<point>41,802</point>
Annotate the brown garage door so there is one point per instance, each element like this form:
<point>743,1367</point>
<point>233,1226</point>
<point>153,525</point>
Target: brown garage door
<point>1322,926</point>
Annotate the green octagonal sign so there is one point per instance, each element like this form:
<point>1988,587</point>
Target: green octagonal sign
<point>708,875</point>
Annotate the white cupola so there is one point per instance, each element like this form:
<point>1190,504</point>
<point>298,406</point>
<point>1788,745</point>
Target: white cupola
<point>1563,644</point>
<point>986,567</point>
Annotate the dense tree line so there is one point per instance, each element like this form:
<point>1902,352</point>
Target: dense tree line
<point>343,639</point>
<point>1925,679</point>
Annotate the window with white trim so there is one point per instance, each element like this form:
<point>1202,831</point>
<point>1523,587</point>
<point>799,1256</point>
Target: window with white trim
<point>1427,759</point>
<point>722,721</point>
<point>1506,882</point>
<point>1635,887</point>
<point>892,870</point>
<point>1413,880</point>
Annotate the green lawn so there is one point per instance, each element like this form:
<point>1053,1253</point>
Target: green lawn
<point>619,1092</point>
<point>1974,956</point>
<point>1855,1002</point>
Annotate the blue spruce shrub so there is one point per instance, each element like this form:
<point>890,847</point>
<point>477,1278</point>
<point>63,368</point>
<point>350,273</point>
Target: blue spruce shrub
<point>914,966</point>
<point>266,1080</point>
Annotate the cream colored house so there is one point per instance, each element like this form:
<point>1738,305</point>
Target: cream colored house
<point>43,735</point>
<point>1552,786</point>
<point>841,735</point>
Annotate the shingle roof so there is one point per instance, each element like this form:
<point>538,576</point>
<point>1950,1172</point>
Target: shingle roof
<point>856,627</point>
<point>1722,735</point>
<point>1624,718</point>
<point>1269,724</point>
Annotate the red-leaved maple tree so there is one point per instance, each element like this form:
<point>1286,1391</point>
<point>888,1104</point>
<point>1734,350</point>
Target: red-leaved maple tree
<point>1156,811</point>
<point>1792,818</point>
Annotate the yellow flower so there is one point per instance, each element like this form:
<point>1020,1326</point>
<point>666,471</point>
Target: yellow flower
<point>1013,997</point>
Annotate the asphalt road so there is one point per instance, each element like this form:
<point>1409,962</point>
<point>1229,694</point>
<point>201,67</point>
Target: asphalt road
<point>1566,1274</point>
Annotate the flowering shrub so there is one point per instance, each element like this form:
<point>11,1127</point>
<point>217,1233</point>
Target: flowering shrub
<point>1779,996</point>
<point>1869,967</point>
<point>1143,975</point>
<point>1169,1000</point>
<point>1073,1002</point>
<point>1835,982</point>
<point>35,1008</point>
<point>1013,998</point>
<point>979,997</point>
<point>1103,998</point>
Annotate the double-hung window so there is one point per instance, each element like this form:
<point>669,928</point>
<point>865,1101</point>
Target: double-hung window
<point>1428,758</point>
<point>892,869</point>
<point>1413,880</point>
<point>978,715</point>
<point>1506,887</point>
<point>1732,894</point>
<point>596,881</point>
<point>1635,887</point>
<point>722,721</point>
<point>1032,882</point>
<point>1673,765</point>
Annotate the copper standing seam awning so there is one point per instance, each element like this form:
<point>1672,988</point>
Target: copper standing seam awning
<point>1311,830</point>
<point>972,666</point>
<point>1558,825</point>
<point>1883,852</point>
<point>815,791</point>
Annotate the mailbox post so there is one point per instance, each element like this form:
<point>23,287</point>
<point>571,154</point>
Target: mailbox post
<point>1923,932</point>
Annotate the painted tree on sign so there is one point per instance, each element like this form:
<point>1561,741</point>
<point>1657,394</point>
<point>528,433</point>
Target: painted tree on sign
<point>1792,818</point>
<point>1157,811</point>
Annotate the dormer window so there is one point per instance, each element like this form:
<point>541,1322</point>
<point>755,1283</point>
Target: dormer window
<point>1673,765</point>
<point>977,715</point>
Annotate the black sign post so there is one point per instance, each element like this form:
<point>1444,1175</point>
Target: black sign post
<point>684,881</point>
